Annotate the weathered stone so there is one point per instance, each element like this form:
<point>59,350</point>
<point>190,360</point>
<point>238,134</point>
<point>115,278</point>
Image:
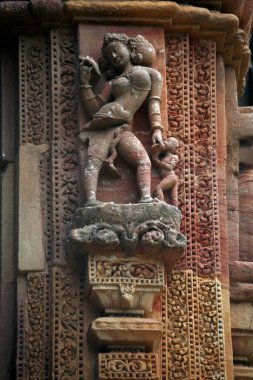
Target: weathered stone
<point>150,230</point>
<point>241,292</point>
<point>31,254</point>
<point>243,372</point>
<point>243,346</point>
<point>242,316</point>
<point>246,211</point>
<point>125,332</point>
<point>241,271</point>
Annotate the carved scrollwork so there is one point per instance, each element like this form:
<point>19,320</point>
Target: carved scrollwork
<point>126,270</point>
<point>65,131</point>
<point>127,365</point>
<point>34,96</point>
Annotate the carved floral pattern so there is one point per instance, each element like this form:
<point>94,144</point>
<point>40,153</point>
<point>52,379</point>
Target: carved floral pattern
<point>211,340</point>
<point>126,270</point>
<point>207,224</point>
<point>177,329</point>
<point>191,113</point>
<point>37,327</point>
<point>178,117</point>
<point>119,365</point>
<point>34,99</point>
<point>65,358</point>
<point>130,271</point>
<point>65,131</point>
<point>194,329</point>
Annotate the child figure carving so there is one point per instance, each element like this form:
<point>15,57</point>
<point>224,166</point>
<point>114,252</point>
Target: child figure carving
<point>166,159</point>
<point>131,82</point>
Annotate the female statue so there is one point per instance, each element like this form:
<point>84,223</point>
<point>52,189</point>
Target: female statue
<point>109,132</point>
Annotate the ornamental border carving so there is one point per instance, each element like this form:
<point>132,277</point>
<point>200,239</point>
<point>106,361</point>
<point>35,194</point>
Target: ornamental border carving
<point>193,341</point>
<point>65,171</point>
<point>158,280</point>
<point>127,365</point>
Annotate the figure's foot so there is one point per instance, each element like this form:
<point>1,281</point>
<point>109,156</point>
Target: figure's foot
<point>146,199</point>
<point>92,202</point>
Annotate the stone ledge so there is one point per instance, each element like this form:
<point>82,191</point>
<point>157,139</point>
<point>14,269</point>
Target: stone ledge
<point>128,331</point>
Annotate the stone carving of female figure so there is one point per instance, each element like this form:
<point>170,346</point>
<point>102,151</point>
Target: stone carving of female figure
<point>109,132</point>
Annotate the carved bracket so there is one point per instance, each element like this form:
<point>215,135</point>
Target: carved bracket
<point>133,229</point>
<point>124,286</point>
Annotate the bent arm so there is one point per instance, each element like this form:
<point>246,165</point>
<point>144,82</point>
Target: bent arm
<point>169,165</point>
<point>91,102</point>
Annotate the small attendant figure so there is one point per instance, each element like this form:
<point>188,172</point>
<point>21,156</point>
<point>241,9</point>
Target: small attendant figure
<point>166,159</point>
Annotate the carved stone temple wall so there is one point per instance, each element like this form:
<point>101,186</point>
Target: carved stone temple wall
<point>113,290</point>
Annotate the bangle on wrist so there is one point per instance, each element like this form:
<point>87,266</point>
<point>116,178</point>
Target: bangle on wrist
<point>87,99</point>
<point>85,86</point>
<point>154,127</point>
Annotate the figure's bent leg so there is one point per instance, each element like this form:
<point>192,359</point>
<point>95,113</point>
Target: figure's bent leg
<point>134,153</point>
<point>174,195</point>
<point>90,179</point>
<point>158,193</point>
<point>168,183</point>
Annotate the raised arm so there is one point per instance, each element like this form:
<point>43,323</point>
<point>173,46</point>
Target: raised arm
<point>91,102</point>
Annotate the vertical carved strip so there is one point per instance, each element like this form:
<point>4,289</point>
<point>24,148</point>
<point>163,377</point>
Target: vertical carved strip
<point>21,349</point>
<point>178,119</point>
<point>192,119</point>
<point>34,87</point>
<point>65,130</point>
<point>37,326</point>
<point>177,327</point>
<point>164,342</point>
<point>210,330</point>
<point>65,318</point>
<point>45,193</point>
<point>194,328</point>
<point>33,342</point>
<point>206,213</point>
<point>81,333</point>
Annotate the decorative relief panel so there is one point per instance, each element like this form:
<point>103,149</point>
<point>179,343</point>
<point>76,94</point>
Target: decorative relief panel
<point>34,90</point>
<point>65,130</point>
<point>68,324</point>
<point>34,328</point>
<point>192,347</point>
<point>38,341</point>
<point>205,141</point>
<point>119,365</point>
<point>193,328</point>
<point>177,61</point>
<point>192,119</point>
<point>122,286</point>
<point>102,271</point>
